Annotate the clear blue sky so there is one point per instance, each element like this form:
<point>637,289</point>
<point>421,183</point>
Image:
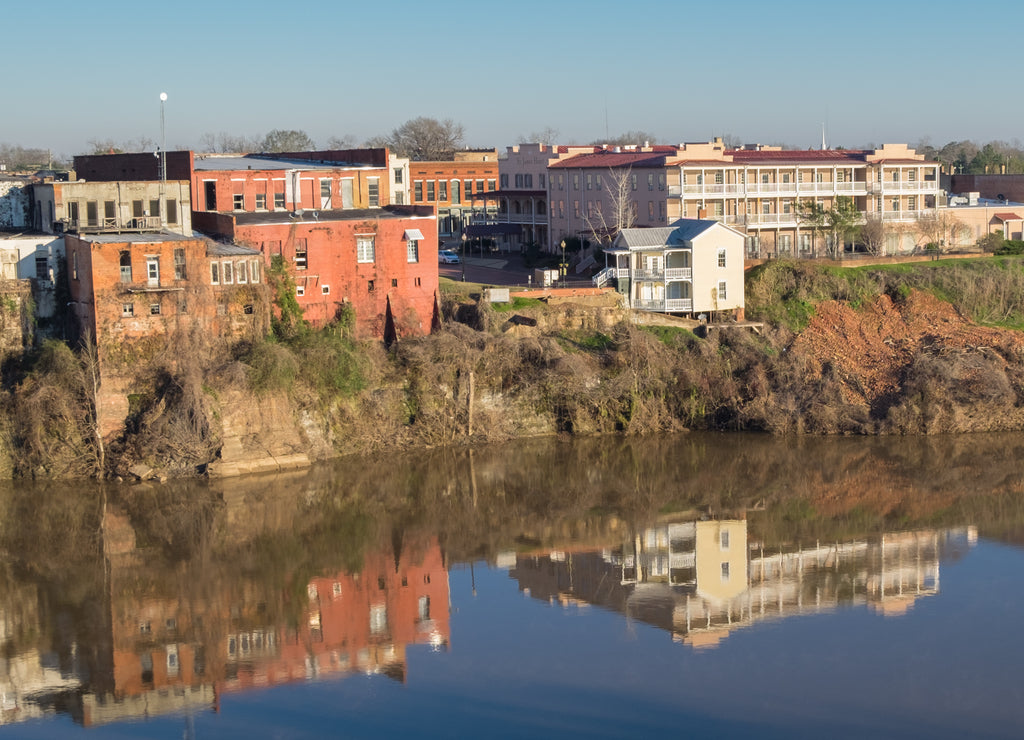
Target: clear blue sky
<point>767,72</point>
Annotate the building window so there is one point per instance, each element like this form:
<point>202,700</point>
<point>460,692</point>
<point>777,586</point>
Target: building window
<point>661,210</point>
<point>373,191</point>
<point>541,180</point>
<point>766,207</point>
<point>154,309</point>
<point>279,200</point>
<point>725,571</point>
<point>300,254</point>
<point>787,206</point>
<point>417,191</point>
<point>325,290</point>
<point>153,270</point>
<point>378,619</point>
<point>431,190</point>
<point>325,193</point>
<point>491,184</point>
<point>179,264</point>
<point>456,191</point>
<point>911,175</point>
<point>632,181</point>
<point>417,282</point>
<point>785,177</point>
<point>650,206</point>
<point>394,282</point>
<point>723,540</point>
<point>126,266</point>
<point>261,201</point>
<point>127,309</point>
<point>442,190</point>
<point>172,212</point>
<point>238,202</point>
<point>785,243</point>
<point>721,258</point>
<point>365,249</point>
<point>911,202</point>
<point>721,291</point>
<point>398,175</point>
<point>300,290</point>
<point>423,608</point>
<point>805,243</point>
<point>650,181</point>
<point>718,209</point>
<point>469,187</point>
<point>254,271</point>
<point>74,265</point>
<point>590,181</point>
<point>369,286</point>
<point>719,178</point>
<point>504,180</point>
<point>576,208</point>
<point>241,272</point>
<point>661,181</point>
<point>215,273</point>
<point>226,273</point>
<point>764,178</point>
<point>519,179</point>
<point>597,181</point>
<point>412,251</point>
<point>527,180</point>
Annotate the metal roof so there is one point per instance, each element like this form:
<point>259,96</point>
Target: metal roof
<point>216,163</point>
<point>218,249</point>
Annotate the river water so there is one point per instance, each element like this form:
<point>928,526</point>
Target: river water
<point>712,584</point>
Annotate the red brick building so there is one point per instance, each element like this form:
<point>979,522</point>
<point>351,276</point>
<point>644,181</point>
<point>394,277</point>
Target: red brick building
<point>458,189</point>
<point>130,289</point>
<point>382,262</point>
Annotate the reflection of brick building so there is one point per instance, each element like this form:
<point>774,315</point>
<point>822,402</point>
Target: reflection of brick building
<point>360,622</point>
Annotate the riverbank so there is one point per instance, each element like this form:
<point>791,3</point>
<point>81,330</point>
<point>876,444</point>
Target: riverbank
<point>911,349</point>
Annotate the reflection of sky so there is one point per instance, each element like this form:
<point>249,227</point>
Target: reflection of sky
<point>518,667</point>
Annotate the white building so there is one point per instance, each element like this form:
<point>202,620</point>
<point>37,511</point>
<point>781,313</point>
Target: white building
<point>693,266</point>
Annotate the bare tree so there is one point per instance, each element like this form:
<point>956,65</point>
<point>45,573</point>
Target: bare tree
<point>426,139</point>
<point>936,227</point>
<point>811,213</point>
<point>873,234</point>
<point>346,141</point>
<point>547,135</point>
<point>629,138</point>
<point>287,140</point>
<point>111,146</point>
<point>224,142</point>
<point>616,211</point>
<point>90,361</point>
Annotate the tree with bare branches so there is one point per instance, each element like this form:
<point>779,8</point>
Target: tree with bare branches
<point>616,210</point>
<point>873,234</point>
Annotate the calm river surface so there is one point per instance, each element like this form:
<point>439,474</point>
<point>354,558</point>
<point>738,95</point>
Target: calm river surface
<point>721,585</point>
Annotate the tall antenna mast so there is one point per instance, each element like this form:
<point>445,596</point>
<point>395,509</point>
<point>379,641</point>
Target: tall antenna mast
<point>823,145</point>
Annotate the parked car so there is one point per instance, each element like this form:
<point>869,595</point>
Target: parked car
<point>447,257</point>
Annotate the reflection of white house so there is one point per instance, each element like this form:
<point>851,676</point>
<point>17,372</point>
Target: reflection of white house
<point>693,266</point>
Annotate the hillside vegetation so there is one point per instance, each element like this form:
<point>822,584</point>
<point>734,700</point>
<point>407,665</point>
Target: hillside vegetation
<point>922,349</point>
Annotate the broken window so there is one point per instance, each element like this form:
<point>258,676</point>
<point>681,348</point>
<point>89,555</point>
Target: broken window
<point>172,212</point>
<point>215,273</point>
<point>179,264</point>
<point>300,254</point>
<point>210,187</point>
<point>126,266</point>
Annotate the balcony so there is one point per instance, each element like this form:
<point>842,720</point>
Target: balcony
<point>115,225</point>
<point>904,186</point>
<point>679,273</point>
<point>907,215</point>
<point>664,305</point>
<point>755,189</point>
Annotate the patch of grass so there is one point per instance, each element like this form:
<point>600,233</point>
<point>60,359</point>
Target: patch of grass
<point>517,304</point>
<point>671,335</point>
<point>588,341</point>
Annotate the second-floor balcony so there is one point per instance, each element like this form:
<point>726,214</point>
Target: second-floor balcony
<point>664,305</point>
<point>111,224</point>
<point>760,189</point>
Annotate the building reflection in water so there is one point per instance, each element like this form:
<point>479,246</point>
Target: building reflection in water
<point>164,641</point>
<point>700,580</point>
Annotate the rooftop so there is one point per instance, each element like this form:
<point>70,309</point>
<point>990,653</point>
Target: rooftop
<point>219,162</point>
<point>351,214</point>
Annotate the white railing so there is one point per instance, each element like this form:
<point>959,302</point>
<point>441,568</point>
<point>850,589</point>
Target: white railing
<point>906,215</point>
<point>679,273</point>
<point>664,305</point>
<point>754,189</point>
<point>601,279</point>
<point>648,274</point>
<point>903,186</point>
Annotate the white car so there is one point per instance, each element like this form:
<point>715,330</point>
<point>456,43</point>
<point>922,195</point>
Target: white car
<point>447,257</point>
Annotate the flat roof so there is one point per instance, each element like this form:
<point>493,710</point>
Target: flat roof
<point>136,238</point>
<point>313,216</point>
<point>218,163</point>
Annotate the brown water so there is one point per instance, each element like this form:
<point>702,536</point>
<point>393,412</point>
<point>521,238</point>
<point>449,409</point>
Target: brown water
<point>599,587</point>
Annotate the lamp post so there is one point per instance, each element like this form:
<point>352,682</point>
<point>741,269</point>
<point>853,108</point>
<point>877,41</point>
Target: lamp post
<point>163,165</point>
<point>562,265</point>
<point>462,259</point>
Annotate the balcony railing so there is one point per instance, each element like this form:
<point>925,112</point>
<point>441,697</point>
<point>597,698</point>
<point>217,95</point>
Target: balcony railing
<point>905,186</point>
<point>678,273</point>
<point>664,305</point>
<point>906,215</point>
<point>754,189</point>
<point>135,223</point>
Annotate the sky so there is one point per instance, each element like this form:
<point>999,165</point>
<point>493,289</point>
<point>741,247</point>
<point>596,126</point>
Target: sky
<point>871,72</point>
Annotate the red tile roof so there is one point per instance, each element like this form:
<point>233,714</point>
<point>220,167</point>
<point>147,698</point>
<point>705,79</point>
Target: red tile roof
<point>614,159</point>
<point>797,155</point>
<point>1008,216</point>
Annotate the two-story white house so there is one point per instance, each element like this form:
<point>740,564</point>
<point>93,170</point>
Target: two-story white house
<point>691,267</point>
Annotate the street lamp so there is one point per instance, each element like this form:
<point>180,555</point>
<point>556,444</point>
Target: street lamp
<point>462,259</point>
<point>562,266</point>
<point>163,165</point>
